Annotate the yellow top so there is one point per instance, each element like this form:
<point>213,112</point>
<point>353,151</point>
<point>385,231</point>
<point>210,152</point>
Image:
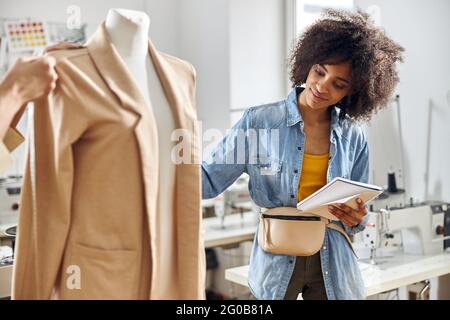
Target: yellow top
<point>314,174</point>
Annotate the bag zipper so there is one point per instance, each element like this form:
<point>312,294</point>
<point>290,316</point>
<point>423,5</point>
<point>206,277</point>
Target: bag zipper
<point>281,217</point>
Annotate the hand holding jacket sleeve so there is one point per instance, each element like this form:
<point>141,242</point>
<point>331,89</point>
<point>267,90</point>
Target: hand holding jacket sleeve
<point>58,124</point>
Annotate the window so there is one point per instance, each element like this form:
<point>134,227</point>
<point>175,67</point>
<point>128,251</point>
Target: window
<point>308,11</point>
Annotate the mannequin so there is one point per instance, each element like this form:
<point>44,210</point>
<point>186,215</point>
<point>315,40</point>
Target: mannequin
<point>128,31</point>
<point>101,216</point>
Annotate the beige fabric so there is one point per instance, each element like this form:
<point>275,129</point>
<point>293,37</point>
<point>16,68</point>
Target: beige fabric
<point>12,140</point>
<point>96,185</point>
<point>278,233</point>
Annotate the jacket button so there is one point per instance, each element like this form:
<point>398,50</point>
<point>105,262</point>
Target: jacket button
<point>291,261</point>
<point>326,272</point>
<point>292,196</point>
<point>299,148</point>
<point>324,248</point>
<point>295,171</point>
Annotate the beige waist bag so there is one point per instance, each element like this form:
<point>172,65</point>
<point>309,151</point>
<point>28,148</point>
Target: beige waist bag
<point>285,230</point>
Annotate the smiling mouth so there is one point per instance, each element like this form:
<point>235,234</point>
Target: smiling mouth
<point>318,97</point>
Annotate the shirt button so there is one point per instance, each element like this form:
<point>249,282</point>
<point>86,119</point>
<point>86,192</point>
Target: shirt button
<point>299,148</point>
<point>324,247</point>
<point>295,171</point>
<point>292,196</point>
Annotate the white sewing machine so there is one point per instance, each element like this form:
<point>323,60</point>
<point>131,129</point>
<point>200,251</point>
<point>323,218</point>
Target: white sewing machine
<point>236,199</point>
<point>417,230</point>
<point>9,203</point>
<point>9,207</point>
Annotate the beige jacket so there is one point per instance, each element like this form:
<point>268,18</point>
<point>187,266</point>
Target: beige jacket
<point>88,219</point>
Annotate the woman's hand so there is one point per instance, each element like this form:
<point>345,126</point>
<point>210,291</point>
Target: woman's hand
<point>28,79</point>
<point>347,215</point>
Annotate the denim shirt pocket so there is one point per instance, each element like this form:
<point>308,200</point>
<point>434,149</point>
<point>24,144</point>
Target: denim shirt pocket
<point>265,174</point>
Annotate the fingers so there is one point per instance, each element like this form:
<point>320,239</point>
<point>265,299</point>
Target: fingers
<point>43,71</point>
<point>52,78</point>
<point>49,75</point>
<point>361,206</point>
<point>49,61</point>
<point>31,78</point>
<point>345,214</point>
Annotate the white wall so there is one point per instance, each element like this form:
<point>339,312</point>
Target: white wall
<point>92,12</point>
<point>422,28</point>
<point>203,40</point>
<point>257,52</point>
<point>163,26</point>
<point>238,49</point>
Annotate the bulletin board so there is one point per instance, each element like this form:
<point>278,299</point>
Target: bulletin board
<point>26,36</point>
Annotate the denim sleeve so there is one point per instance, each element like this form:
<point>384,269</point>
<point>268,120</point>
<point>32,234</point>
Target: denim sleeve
<point>360,172</point>
<point>227,161</point>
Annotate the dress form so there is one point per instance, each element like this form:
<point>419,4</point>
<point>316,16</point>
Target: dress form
<point>128,31</point>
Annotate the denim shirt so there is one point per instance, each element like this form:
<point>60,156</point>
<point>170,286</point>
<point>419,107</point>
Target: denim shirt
<point>274,170</point>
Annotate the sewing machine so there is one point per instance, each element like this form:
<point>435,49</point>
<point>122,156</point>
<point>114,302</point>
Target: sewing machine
<point>417,230</point>
<point>236,199</point>
<point>9,207</point>
<point>9,203</point>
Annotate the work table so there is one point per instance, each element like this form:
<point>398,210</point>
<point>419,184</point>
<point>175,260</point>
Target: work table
<point>391,273</point>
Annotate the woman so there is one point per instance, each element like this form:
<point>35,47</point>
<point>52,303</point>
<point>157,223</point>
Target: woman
<point>343,69</point>
<point>29,79</point>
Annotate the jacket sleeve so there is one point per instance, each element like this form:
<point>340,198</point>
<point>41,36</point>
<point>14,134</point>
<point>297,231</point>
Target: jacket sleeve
<point>45,213</point>
<point>228,159</point>
<point>360,172</point>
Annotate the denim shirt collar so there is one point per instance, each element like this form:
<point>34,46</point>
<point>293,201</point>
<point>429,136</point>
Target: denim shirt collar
<point>294,115</point>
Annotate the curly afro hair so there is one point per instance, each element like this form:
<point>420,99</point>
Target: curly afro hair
<point>341,36</point>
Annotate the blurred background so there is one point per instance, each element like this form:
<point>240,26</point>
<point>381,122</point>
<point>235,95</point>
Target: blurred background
<point>240,49</point>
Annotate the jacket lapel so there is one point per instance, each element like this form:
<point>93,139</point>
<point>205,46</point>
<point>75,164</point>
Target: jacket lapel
<point>173,81</point>
<point>120,81</point>
<point>114,71</point>
<point>178,81</point>
<point>178,84</point>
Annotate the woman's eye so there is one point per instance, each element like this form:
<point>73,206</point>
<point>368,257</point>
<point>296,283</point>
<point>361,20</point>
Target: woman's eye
<point>339,87</point>
<point>319,72</point>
